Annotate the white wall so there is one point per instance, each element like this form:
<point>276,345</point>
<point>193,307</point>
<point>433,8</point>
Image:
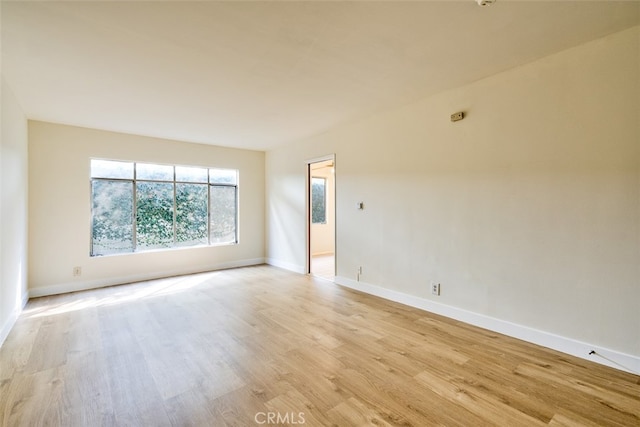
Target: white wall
<point>13,211</point>
<point>59,214</point>
<point>527,211</point>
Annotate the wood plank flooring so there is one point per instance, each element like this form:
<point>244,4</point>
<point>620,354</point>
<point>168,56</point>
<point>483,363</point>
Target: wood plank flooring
<point>263,346</point>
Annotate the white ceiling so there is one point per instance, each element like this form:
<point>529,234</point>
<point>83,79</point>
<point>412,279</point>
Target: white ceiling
<point>258,74</point>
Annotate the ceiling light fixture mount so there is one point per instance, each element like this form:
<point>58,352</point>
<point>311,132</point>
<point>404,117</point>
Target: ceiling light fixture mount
<point>485,2</point>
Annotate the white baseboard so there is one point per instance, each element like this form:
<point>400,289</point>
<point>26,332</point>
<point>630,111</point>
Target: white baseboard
<point>6,328</point>
<point>322,253</point>
<point>603,356</point>
<point>63,288</point>
<point>286,265</point>
<point>8,325</point>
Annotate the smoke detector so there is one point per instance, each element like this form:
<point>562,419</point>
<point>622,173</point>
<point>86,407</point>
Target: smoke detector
<point>485,2</point>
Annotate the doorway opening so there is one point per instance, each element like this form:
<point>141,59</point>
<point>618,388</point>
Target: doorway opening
<point>321,217</point>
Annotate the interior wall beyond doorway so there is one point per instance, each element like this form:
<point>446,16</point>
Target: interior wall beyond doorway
<point>323,234</point>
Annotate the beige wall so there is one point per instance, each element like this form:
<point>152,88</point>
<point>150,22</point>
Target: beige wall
<point>13,210</point>
<point>527,211</point>
<point>60,208</point>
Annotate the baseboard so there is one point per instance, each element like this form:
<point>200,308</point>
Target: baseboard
<point>322,253</point>
<point>601,355</point>
<point>8,325</point>
<point>286,265</point>
<point>64,288</point>
<point>6,328</point>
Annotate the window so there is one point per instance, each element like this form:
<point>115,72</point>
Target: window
<point>318,200</point>
<point>144,206</point>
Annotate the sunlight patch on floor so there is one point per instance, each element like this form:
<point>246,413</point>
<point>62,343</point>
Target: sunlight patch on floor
<point>129,293</point>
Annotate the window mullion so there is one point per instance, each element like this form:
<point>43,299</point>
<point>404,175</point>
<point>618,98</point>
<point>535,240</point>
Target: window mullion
<point>175,210</point>
<point>236,209</point>
<point>208,207</point>
<point>135,209</point>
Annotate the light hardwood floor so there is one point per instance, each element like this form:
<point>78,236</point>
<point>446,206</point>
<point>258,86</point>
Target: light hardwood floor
<point>235,347</point>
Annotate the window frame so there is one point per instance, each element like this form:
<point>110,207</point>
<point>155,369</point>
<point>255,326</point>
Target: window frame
<point>174,182</point>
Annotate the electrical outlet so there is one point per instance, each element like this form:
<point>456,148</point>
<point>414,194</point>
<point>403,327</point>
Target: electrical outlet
<point>435,288</point>
<point>77,271</point>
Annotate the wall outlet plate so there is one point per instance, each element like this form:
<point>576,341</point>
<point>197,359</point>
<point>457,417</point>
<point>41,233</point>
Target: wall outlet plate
<point>435,288</point>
